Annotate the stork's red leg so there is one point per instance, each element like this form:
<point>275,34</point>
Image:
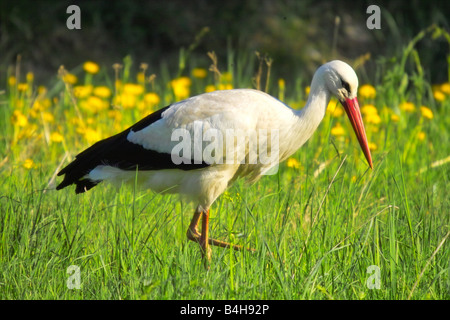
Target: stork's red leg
<point>203,239</point>
<point>192,233</point>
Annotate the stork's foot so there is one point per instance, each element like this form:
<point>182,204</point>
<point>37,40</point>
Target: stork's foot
<point>203,239</point>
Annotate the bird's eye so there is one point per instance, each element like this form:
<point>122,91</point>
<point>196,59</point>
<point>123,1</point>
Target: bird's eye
<point>346,86</point>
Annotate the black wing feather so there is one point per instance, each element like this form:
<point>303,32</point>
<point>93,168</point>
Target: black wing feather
<point>118,152</point>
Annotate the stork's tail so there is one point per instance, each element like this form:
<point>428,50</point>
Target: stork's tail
<point>76,172</point>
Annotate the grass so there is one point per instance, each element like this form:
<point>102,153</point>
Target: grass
<point>317,225</point>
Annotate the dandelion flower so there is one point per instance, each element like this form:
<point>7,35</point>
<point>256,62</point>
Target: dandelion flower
<point>42,90</point>
<point>12,81</point>
<point>281,89</point>
<point>30,77</point>
<point>438,95</point>
<point>70,78</point>
<point>421,135</point>
<point>56,137</point>
<point>199,73</point>
<point>227,86</point>
<point>307,90</point>
<point>102,92</point>
<point>29,164</point>
<point>369,109</point>
<point>48,117</point>
<point>293,163</point>
<point>91,67</point>
<point>445,88</point>
<point>127,101</point>
<point>133,89</point>
<point>22,86</point>
<point>210,88</point>
<point>395,118</point>
<point>96,104</point>
<point>372,118</point>
<point>18,119</point>
<point>115,114</point>
<point>152,99</point>
<point>337,130</point>
<point>140,77</point>
<point>407,106</point>
<point>92,135</point>
<point>372,146</point>
<point>334,109</point>
<point>82,91</point>
<point>367,91</point>
<point>180,87</point>
<point>426,112</point>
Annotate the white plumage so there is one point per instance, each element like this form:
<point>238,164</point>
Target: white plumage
<point>255,114</point>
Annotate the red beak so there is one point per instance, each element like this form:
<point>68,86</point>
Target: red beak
<point>352,109</point>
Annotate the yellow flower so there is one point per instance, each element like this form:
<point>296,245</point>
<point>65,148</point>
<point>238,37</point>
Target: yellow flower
<point>19,119</point>
<point>12,81</point>
<point>281,89</point>
<point>372,118</point>
<point>227,86</point>
<point>210,88</point>
<point>407,106</point>
<point>70,78</point>
<point>395,118</point>
<point>281,84</point>
<point>372,146</point>
<point>438,95</point>
<point>367,91</point>
<point>56,137</point>
<point>22,86</point>
<point>140,77</point>
<point>94,104</point>
<point>199,73</point>
<point>29,164</point>
<point>334,109</point>
<point>42,90</point>
<point>92,135</point>
<point>152,99</point>
<point>369,109</point>
<point>82,91</point>
<point>426,112</point>
<point>445,88</point>
<point>337,130</point>
<point>133,89</point>
<point>421,135</point>
<point>102,92</point>
<point>115,114</point>
<point>37,107</point>
<point>47,117</point>
<point>30,77</point>
<point>180,87</point>
<point>293,163</point>
<point>127,101</point>
<point>91,67</point>
<point>307,90</point>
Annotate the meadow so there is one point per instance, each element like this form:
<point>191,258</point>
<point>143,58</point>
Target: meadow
<point>324,227</point>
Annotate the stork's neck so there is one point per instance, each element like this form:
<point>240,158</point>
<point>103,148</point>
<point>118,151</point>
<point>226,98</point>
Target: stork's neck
<point>310,116</point>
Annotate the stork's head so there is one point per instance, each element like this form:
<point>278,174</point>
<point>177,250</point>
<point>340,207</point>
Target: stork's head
<point>341,81</point>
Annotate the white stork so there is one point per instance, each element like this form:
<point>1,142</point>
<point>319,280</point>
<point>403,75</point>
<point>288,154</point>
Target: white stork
<point>151,147</point>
